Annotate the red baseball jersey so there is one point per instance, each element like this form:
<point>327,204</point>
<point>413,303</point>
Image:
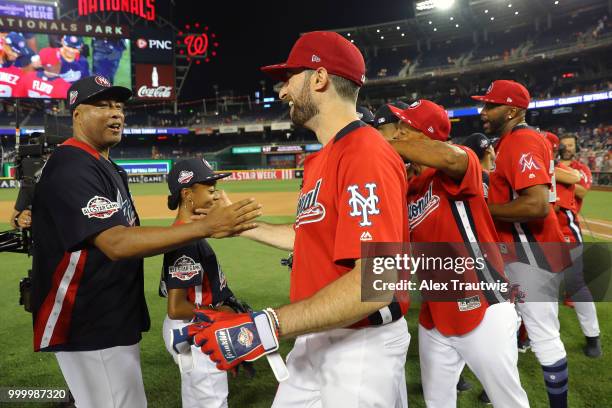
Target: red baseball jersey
<point>353,191</point>
<point>586,179</point>
<point>9,77</point>
<point>444,210</point>
<point>524,160</point>
<point>567,215</point>
<point>36,85</point>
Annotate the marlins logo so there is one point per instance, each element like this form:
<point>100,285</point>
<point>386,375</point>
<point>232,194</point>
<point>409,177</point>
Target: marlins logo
<point>185,268</point>
<point>100,207</point>
<point>419,210</point>
<point>362,206</point>
<point>309,209</point>
<point>527,163</point>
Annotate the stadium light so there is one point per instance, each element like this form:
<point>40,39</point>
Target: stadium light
<point>486,11</point>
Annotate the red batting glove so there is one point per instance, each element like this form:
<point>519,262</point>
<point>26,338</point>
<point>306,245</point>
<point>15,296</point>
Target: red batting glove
<point>231,338</point>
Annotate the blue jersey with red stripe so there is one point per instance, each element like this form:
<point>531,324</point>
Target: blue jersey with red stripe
<point>82,300</point>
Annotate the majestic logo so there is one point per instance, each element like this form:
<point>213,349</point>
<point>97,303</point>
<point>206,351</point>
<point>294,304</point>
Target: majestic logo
<point>362,206</point>
<point>73,96</point>
<point>309,209</point>
<point>315,58</point>
<point>365,236</point>
<point>245,337</point>
<point>100,207</point>
<point>527,163</point>
<point>155,92</point>
<point>185,176</point>
<point>419,210</point>
<point>100,80</point>
<point>185,268</point>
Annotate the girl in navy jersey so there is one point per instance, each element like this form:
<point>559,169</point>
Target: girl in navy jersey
<point>192,277</point>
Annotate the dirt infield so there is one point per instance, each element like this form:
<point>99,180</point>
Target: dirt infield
<point>273,204</point>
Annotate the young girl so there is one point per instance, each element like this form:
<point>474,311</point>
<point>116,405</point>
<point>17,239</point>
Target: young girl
<point>192,277</point>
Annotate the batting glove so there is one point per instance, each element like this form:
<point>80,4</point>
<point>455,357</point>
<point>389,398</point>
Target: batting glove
<point>231,338</point>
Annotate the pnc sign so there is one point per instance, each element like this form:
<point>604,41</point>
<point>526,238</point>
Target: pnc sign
<point>142,8</point>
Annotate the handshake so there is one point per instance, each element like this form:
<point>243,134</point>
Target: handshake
<point>232,338</point>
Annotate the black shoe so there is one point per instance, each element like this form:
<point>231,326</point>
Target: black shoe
<point>484,398</point>
<point>463,385</point>
<point>524,346</point>
<point>593,347</point>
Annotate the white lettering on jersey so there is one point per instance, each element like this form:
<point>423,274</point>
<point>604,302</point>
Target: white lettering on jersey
<point>363,206</point>
<point>419,210</point>
<point>185,268</point>
<point>9,78</point>
<point>527,163</point>
<point>309,209</point>
<point>42,86</point>
<point>100,207</point>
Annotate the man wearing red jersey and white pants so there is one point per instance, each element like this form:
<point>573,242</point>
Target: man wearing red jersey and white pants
<point>571,197</point>
<point>520,203</point>
<point>447,204</point>
<point>348,353</point>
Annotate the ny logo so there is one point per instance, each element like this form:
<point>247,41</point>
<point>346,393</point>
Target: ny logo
<point>362,206</point>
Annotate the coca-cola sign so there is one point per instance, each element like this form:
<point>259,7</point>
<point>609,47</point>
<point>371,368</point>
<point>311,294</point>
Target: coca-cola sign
<point>155,81</point>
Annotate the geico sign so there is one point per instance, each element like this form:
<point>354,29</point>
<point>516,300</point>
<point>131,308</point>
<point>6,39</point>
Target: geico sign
<point>154,44</point>
<point>158,92</point>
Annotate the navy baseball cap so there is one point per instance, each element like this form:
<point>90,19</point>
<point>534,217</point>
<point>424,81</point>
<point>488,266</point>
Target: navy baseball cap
<point>384,115</point>
<point>478,142</point>
<point>73,41</point>
<point>185,174</point>
<point>365,115</point>
<point>93,88</point>
<point>17,42</point>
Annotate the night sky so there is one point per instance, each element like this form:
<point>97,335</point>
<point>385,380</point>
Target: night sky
<point>256,33</point>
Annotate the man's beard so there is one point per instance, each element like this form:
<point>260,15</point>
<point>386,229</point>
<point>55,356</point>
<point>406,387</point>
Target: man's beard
<point>303,109</point>
<point>567,155</point>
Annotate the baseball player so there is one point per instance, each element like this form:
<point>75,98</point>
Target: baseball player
<point>447,204</point>
<point>347,353</point>
<point>106,56</point>
<point>87,275</point>
<point>192,277</point>
<point>520,203</point>
<point>572,196</point>
<point>74,66</point>
<point>46,82</point>
<point>385,121</point>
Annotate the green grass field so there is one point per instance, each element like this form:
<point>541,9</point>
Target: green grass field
<point>257,276</point>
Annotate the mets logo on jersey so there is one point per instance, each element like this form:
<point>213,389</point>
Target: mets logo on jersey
<point>100,207</point>
<point>309,208</point>
<point>185,268</point>
<point>526,162</point>
<point>185,176</point>
<point>245,337</point>
<point>419,210</point>
<point>362,206</point>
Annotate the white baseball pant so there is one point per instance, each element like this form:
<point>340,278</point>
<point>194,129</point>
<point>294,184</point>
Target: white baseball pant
<point>107,378</point>
<point>489,350</point>
<point>202,383</point>
<point>348,368</point>
<point>540,310</point>
<point>584,305</point>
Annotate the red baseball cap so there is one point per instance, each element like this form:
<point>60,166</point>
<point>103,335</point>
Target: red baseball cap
<point>504,92</point>
<point>552,139</point>
<point>325,49</point>
<point>49,56</point>
<point>426,116</point>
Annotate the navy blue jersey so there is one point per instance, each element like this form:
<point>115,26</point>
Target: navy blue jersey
<point>75,70</point>
<point>195,267</point>
<point>82,300</point>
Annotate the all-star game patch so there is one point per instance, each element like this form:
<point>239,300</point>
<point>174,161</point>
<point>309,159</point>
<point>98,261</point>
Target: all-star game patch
<point>100,207</point>
<point>185,268</point>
